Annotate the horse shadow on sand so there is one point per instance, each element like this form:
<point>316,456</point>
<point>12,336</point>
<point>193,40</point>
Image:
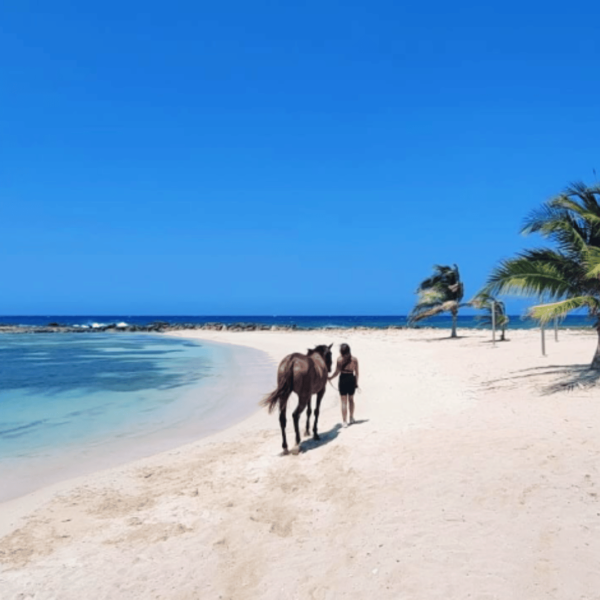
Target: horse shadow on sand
<point>326,437</point>
<point>566,378</point>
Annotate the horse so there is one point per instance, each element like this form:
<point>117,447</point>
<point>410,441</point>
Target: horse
<point>305,374</point>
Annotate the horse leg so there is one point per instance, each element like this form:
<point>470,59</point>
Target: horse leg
<point>283,423</point>
<point>296,415</point>
<point>317,409</point>
<point>308,413</point>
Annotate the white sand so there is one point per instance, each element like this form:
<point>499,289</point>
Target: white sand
<point>468,476</point>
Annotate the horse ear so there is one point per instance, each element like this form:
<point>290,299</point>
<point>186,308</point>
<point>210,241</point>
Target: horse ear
<point>330,346</point>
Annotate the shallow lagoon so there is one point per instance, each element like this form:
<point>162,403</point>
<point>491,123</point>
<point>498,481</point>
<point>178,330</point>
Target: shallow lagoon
<point>73,403</point>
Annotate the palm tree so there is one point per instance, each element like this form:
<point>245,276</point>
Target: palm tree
<point>442,292</point>
<point>564,278</point>
<point>489,303</point>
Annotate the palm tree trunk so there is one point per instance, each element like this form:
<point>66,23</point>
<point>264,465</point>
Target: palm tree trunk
<point>596,362</point>
<point>502,339</point>
<point>454,316</point>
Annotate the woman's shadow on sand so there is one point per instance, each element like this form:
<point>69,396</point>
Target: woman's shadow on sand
<point>326,436</point>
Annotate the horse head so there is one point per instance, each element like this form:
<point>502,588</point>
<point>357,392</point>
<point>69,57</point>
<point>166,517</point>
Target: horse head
<point>325,352</point>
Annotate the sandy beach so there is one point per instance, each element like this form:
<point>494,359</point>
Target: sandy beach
<point>472,472</point>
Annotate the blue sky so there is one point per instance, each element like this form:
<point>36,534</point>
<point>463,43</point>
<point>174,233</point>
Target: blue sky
<point>280,158</point>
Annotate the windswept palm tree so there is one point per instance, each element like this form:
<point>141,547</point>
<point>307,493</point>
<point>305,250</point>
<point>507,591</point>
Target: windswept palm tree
<point>489,303</point>
<point>564,278</point>
<point>442,292</point>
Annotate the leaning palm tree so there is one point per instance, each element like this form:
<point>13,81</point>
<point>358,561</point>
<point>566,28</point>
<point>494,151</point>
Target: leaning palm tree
<point>442,292</point>
<point>491,304</point>
<point>564,278</point>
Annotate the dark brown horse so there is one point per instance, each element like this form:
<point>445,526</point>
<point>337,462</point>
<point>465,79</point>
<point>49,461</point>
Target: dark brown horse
<point>305,374</point>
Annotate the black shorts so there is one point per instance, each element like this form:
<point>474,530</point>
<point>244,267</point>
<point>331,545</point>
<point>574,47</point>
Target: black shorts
<point>347,385</point>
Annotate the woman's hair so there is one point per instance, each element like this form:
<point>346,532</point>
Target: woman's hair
<point>345,352</point>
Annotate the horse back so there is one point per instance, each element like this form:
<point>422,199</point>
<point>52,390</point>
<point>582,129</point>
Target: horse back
<point>299,365</point>
<point>307,376</point>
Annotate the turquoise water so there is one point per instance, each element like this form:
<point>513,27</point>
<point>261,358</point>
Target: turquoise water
<point>71,403</point>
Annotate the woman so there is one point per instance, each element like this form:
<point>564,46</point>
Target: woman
<point>347,368</point>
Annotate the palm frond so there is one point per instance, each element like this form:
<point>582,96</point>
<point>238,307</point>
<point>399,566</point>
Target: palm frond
<point>586,213</point>
<point>529,276</point>
<point>570,218</point>
<point>486,320</point>
<point>565,279</point>
<point>537,221</point>
<point>592,261</point>
<point>441,292</point>
<point>586,194</point>
<point>418,315</point>
<point>546,312</point>
<point>485,301</point>
<point>481,299</point>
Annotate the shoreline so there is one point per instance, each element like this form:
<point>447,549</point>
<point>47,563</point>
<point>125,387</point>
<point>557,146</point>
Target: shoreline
<point>306,324</point>
<point>471,472</point>
<point>217,401</point>
<point>249,327</point>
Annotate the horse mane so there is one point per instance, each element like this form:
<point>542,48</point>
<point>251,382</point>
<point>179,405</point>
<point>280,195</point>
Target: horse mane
<point>322,350</point>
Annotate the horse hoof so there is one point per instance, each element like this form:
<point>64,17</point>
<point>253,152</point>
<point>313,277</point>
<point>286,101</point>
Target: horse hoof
<point>316,437</point>
<point>296,450</point>
<point>285,452</point>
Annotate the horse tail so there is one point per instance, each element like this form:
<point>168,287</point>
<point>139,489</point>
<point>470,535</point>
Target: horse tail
<point>284,388</point>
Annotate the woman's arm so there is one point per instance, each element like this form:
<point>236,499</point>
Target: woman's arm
<point>356,370</point>
<point>337,370</point>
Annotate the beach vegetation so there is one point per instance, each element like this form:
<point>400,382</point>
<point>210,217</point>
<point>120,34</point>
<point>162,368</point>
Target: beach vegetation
<point>564,277</point>
<point>491,305</point>
<point>440,293</point>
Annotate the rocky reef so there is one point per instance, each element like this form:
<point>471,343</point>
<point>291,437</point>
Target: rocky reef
<point>155,327</point>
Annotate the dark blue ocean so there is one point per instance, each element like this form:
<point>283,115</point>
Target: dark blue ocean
<point>301,322</point>
<point>73,403</point>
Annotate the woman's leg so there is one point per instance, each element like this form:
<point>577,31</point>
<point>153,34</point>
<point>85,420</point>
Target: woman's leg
<point>351,407</point>
<point>344,400</point>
